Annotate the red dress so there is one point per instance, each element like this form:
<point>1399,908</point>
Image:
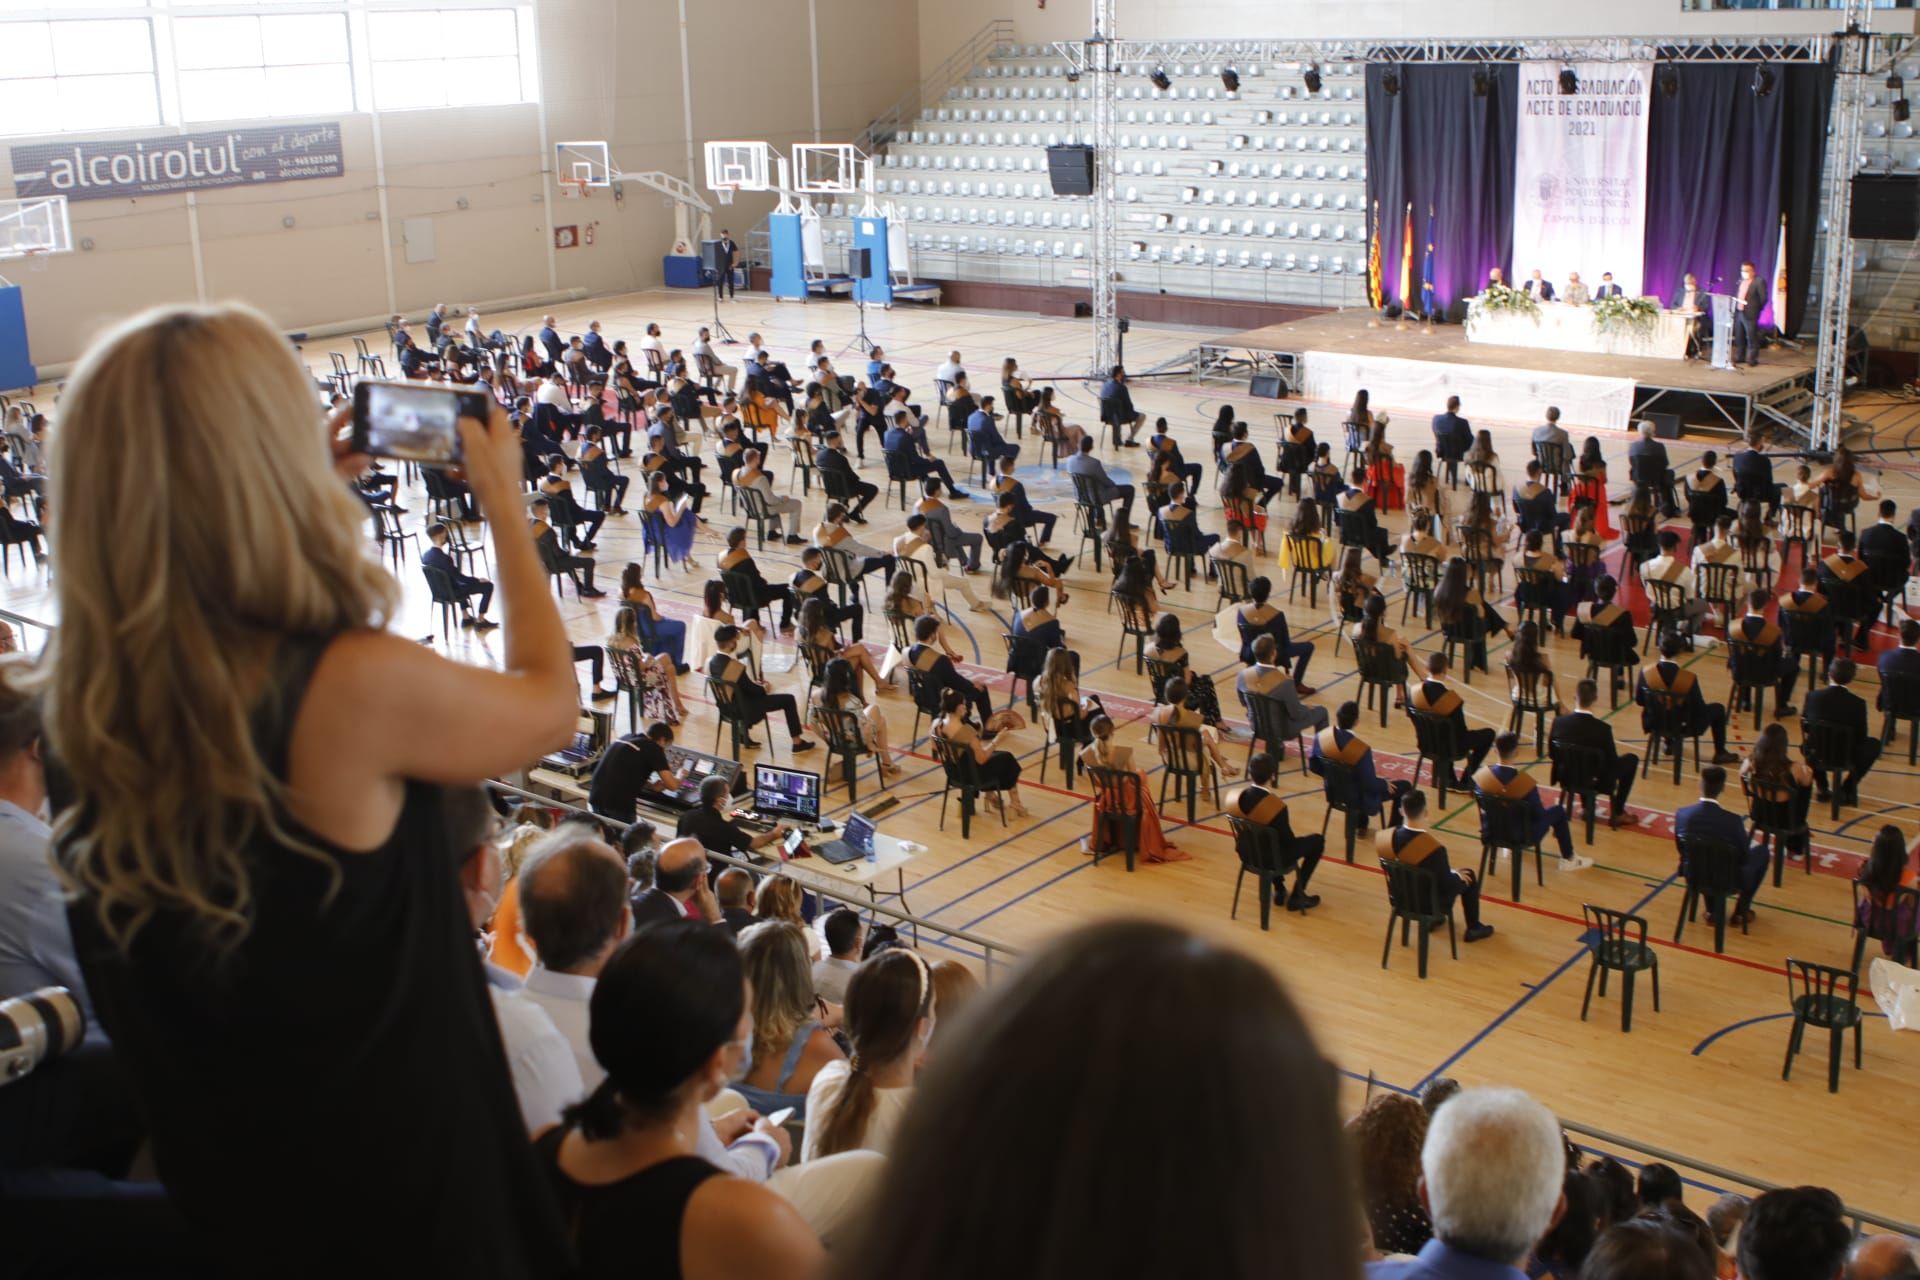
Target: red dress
<point>1592,487</point>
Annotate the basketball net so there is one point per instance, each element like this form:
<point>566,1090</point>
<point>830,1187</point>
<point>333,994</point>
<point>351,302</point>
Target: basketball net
<point>573,188</point>
<point>723,194</point>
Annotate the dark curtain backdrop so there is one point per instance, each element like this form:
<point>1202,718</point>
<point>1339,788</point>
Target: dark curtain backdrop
<point>1436,144</point>
<point>1803,154</point>
<point>1713,179</point>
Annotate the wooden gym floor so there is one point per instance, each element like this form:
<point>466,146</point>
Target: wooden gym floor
<point>1700,1077</point>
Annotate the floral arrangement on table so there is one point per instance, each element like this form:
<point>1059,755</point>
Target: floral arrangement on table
<point>1633,314</point>
<point>1499,299</point>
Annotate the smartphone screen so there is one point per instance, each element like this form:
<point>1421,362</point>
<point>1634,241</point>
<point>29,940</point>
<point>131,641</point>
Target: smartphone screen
<point>410,422</point>
<point>793,842</point>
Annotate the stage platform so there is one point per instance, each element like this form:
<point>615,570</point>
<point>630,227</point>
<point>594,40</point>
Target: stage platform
<point>1412,368</point>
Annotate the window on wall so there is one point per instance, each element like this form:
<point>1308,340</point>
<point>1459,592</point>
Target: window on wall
<point>274,65</point>
<point>92,74</point>
<point>446,58</point>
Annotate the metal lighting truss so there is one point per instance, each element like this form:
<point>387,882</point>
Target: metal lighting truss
<point>1836,273</point>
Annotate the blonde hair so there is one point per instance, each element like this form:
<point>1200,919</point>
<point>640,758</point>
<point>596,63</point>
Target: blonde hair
<point>780,973</point>
<point>198,524</point>
<point>779,899</point>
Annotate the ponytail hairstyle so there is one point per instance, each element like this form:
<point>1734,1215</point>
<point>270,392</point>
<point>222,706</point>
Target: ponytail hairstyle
<point>887,998</point>
<point>668,998</point>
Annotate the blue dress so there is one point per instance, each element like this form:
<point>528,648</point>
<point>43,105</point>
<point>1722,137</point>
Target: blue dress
<point>670,632</point>
<point>678,538</point>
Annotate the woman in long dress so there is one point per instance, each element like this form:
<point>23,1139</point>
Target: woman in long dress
<point>672,632</point>
<point>1104,754</point>
<point>677,518</point>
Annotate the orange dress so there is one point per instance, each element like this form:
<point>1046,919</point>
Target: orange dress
<point>1154,845</point>
<point>1592,486</point>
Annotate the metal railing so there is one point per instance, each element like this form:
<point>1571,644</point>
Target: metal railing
<point>991,950</point>
<point>958,64</point>
<point>25,629</point>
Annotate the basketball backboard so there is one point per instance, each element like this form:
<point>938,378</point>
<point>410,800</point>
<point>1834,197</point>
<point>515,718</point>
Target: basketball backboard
<point>588,162</point>
<point>826,168</point>
<point>738,166</point>
<point>34,226</point>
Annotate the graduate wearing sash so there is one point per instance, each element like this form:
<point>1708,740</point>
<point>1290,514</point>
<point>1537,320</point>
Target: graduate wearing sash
<point>1411,845</point>
<point>1342,746</point>
<point>1697,715</point>
<point>1506,780</point>
<point>1258,804</point>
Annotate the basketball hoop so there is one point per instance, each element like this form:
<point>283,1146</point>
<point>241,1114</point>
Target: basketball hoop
<point>573,188</point>
<point>723,194</point>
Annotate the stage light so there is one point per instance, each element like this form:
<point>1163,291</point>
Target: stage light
<point>1763,79</point>
<point>1895,84</point>
<point>1312,77</point>
<point>1390,82</point>
<point>1160,79</point>
<point>1901,111</point>
<point>1569,82</point>
<point>1073,75</point>
<point>1231,79</point>
<point>1482,83</point>
<point>1669,81</point>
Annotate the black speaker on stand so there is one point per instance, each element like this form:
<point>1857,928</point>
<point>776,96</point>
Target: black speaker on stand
<point>711,259</point>
<point>860,267</point>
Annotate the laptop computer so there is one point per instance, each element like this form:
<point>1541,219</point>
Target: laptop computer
<point>855,842</point>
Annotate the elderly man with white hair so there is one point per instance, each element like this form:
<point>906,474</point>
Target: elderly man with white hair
<point>1490,1177</point>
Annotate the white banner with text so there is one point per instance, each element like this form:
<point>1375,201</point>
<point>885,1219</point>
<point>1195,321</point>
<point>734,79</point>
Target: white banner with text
<point>1580,174</point>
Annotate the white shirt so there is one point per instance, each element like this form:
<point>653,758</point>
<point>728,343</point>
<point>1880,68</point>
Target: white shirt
<point>36,948</point>
<point>702,347</point>
<point>653,342</point>
<point>889,1108</point>
<point>551,392</point>
<point>830,977</point>
<point>947,372</point>
<point>564,996</point>
<point>473,328</point>
<point>545,1076</point>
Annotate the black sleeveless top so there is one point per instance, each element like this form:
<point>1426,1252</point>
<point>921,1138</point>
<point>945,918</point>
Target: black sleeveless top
<point>631,1227</point>
<point>333,1098</point>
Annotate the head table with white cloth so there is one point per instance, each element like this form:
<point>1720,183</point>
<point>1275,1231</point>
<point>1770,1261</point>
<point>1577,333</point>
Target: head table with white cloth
<point>1560,326</point>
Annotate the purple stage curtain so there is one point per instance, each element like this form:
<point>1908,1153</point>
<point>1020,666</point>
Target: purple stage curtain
<point>1713,179</point>
<point>1435,145</point>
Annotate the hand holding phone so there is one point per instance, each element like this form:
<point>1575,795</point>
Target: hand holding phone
<point>414,422</point>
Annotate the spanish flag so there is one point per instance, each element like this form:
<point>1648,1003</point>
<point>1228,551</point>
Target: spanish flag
<point>1406,259</point>
<point>1375,297</point>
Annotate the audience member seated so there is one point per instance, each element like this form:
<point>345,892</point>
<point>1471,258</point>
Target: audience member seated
<point>941,675</point>
<point>1506,780</point>
<point>754,700</point>
<point>464,585</point>
<point>1101,752</point>
<point>1435,696</point>
<point>1697,715</point>
<point>628,1164</point>
<point>1708,817</point>
<point>1342,746</point>
<point>1794,1233</point>
<point>999,769</point>
<point>733,889</point>
<point>1457,599</point>
<point>36,946</point>
<point>1410,843</point>
<point>1669,567</point>
<point>1387,1137</point>
<point>846,934</point>
<point>790,1042</point>
<point>1260,804</point>
<point>1269,1111</point>
<point>1169,646</point>
<point>1839,706</point>
<point>1100,485</point>
<point>858,1103</point>
<point>1258,615</point>
<point>1580,727</point>
<point>557,561</point>
<point>1116,408</point>
<point>574,910</point>
<point>1492,1167</point>
<point>708,823</point>
<point>752,475</point>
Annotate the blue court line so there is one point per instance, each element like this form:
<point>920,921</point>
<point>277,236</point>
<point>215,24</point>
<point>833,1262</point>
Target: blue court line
<point>1043,885</point>
<point>1731,1027</point>
<point>1500,1019</point>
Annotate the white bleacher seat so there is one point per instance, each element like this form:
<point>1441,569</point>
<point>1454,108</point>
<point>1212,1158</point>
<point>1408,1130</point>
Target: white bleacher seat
<point>1133,195</point>
<point>964,190</point>
<point>1296,199</point>
<point>992,217</point>
<point>1000,244</point>
<point>1181,223</point>
<point>1274,198</point>
<point>1269,228</point>
<point>1290,261</point>
<point>1314,231</point>
<point>1126,141</point>
<point>1179,253</point>
<point>1079,248</point>
<point>1313,262</point>
<point>973,215</point>
<point>1319,200</point>
<point>1203,226</point>
<point>1221,257</point>
<point>1230,197</point>
<point>1340,201</point>
<point>1026,217</point>
<point>1046,217</point>
<point>1181,142</point>
<point>1158,170</point>
<point>1208,196</point>
<point>1059,248</point>
<point>1293,231</point>
<point>1155,254</point>
<point>1336,265</point>
<point>1245,259</point>
<point>973,162</point>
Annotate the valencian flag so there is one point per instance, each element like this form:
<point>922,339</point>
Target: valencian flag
<point>1374,297</point>
<point>1426,269</point>
<point>1406,259</point>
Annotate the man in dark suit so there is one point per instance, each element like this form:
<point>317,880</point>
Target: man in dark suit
<point>1581,728</point>
<point>1753,474</point>
<point>436,557</point>
<point>1607,289</point>
<point>1260,804</point>
<point>1433,696</point>
<point>1838,705</point>
<point>756,702</point>
<point>1647,465</point>
<point>1506,780</point>
<point>551,341</point>
<point>1342,746</point>
<point>1697,715</point>
<point>1539,287</point>
<point>727,251</point>
<point>1749,300</point>
<point>1452,434</point>
<point>1359,518</point>
<point>1883,545</point>
<point>983,435</point>
<point>1410,844</point>
<point>907,445</point>
<point>832,460</point>
<point>938,670</point>
<point>1104,490</point>
<point>1903,660</point>
<point>1116,408</point>
<point>1709,818</point>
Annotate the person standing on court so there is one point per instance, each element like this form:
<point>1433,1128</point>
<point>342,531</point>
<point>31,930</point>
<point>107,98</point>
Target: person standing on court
<point>727,251</point>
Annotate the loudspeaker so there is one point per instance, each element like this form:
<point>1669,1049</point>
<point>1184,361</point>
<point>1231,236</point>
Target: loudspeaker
<point>710,258</point>
<point>1267,386</point>
<point>1885,207</point>
<point>860,263</point>
<point>1666,426</point>
<point>1070,168</point>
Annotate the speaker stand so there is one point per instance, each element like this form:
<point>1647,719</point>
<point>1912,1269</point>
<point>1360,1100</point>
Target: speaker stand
<point>720,330</point>
<point>861,342</point>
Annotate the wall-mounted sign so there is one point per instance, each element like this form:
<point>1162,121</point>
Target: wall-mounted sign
<point>128,167</point>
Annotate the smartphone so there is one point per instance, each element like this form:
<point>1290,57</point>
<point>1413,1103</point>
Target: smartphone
<point>780,1117</point>
<point>791,844</point>
<point>413,421</point>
